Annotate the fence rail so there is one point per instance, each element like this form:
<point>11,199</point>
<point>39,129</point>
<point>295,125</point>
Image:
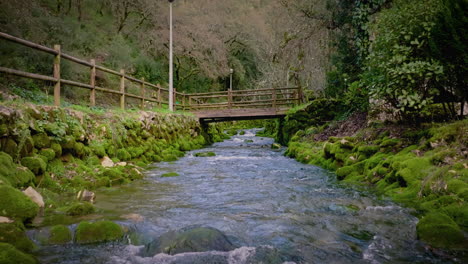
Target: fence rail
<point>259,98</point>
<point>159,95</point>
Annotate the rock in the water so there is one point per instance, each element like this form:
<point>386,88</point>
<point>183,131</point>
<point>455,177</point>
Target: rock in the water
<point>106,162</point>
<point>35,196</point>
<point>190,239</point>
<point>275,146</point>
<point>85,195</point>
<point>101,231</point>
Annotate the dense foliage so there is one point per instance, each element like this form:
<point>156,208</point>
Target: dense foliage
<point>407,55</point>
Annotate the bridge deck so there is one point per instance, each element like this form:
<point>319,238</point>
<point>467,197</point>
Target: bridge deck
<point>220,115</point>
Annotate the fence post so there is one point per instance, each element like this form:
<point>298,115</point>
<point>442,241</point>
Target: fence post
<point>122,89</point>
<point>273,97</point>
<point>174,99</point>
<point>159,96</point>
<point>229,98</point>
<point>143,93</point>
<point>92,97</point>
<point>300,95</point>
<point>57,75</point>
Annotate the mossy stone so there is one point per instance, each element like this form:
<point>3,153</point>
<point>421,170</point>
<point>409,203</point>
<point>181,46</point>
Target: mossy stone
<point>16,204</point>
<point>56,167</point>
<point>10,255</point>
<point>59,235</point>
<point>68,143</point>
<point>205,154</point>
<point>57,149</point>
<point>99,150</point>
<point>80,208</point>
<point>36,164</point>
<point>15,234</point>
<point>41,141</point>
<point>101,231</point>
<point>11,174</point>
<point>170,174</point>
<point>49,153</point>
<point>122,154</point>
<point>10,147</point>
<point>440,230</point>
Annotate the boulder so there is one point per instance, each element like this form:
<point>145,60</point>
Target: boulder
<point>101,231</point>
<point>10,255</point>
<point>34,196</point>
<point>190,239</point>
<point>5,220</point>
<point>85,195</point>
<point>107,162</point>
<point>16,204</point>
<point>14,233</point>
<point>275,146</point>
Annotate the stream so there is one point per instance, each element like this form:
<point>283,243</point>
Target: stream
<point>260,200</point>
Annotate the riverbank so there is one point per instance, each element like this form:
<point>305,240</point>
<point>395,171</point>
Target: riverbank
<point>424,167</point>
<point>58,156</point>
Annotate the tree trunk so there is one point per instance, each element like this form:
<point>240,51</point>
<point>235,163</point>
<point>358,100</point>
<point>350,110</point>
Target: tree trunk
<point>78,5</point>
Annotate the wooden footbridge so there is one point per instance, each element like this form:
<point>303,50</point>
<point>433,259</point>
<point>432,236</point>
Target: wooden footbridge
<point>208,107</point>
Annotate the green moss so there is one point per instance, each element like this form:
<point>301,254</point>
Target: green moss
<point>205,154</point>
<point>41,141</point>
<point>367,151</point>
<point>80,208</point>
<point>116,175</point>
<point>11,174</point>
<point>98,149</point>
<point>68,144</point>
<point>459,213</point>
<point>56,167</point>
<point>15,234</point>
<point>122,154</point>
<point>439,230</point>
<point>16,205</point>
<point>101,231</point>
<point>60,234</point>
<point>57,149</point>
<point>456,186</point>
<point>93,161</point>
<point>170,174</point>
<point>49,153</point>
<point>10,147</point>
<point>10,255</point>
<point>36,164</point>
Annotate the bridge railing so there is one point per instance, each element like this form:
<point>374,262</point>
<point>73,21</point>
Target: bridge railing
<point>148,92</point>
<point>280,97</point>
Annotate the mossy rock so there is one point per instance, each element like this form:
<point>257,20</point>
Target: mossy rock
<point>11,174</point>
<point>122,154</point>
<point>49,153</point>
<point>170,174</point>
<point>189,239</point>
<point>56,167</point>
<point>16,204</point>
<point>41,141</point>
<point>98,149</point>
<point>15,234</point>
<point>101,231</point>
<point>10,255</point>
<point>10,147</point>
<point>36,164</point>
<point>79,149</point>
<point>68,144</point>
<point>205,154</point>
<point>57,149</point>
<point>80,208</point>
<point>59,235</point>
<point>440,230</point>
<point>275,146</point>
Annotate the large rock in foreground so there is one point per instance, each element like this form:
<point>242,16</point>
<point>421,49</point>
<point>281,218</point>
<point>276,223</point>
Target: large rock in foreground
<point>190,239</point>
<point>15,204</point>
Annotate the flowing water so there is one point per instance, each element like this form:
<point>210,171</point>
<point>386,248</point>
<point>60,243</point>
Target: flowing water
<point>258,198</point>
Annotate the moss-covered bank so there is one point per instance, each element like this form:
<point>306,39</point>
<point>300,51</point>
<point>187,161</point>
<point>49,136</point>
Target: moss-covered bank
<point>61,151</point>
<point>425,168</point>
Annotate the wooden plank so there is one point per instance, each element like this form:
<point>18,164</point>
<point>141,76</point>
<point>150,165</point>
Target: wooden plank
<point>27,74</point>
<point>28,43</point>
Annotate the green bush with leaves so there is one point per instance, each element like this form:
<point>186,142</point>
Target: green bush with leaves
<point>403,68</point>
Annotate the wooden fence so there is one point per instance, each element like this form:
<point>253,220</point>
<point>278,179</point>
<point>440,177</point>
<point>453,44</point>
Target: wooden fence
<point>157,94</point>
<point>259,98</point>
